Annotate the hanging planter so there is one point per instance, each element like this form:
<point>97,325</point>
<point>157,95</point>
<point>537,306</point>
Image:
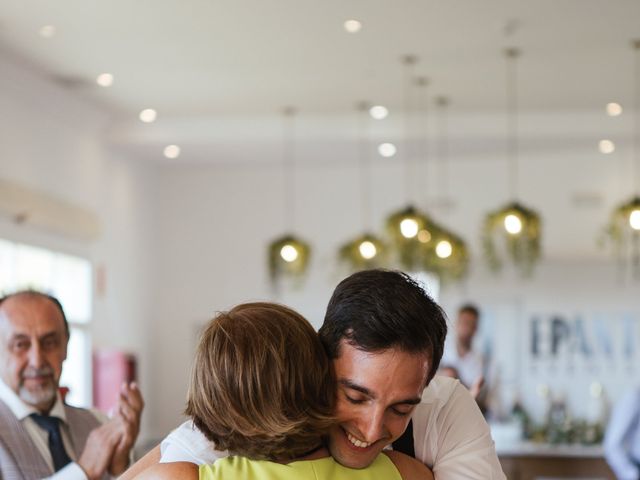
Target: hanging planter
<point>288,256</point>
<point>366,251</point>
<point>409,231</point>
<point>446,255</point>
<point>519,228</point>
<point>623,233</point>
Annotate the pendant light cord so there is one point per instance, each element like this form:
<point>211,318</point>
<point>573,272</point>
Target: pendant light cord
<point>512,120</point>
<point>636,120</point>
<point>423,83</point>
<point>364,165</point>
<point>409,61</point>
<point>442,148</point>
<point>288,168</point>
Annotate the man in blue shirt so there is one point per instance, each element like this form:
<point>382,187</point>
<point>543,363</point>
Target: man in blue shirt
<point>622,439</point>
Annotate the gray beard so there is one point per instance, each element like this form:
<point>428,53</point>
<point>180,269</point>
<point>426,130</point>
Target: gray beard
<point>42,396</point>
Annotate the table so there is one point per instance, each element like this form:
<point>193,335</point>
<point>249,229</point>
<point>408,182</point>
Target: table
<point>536,461</point>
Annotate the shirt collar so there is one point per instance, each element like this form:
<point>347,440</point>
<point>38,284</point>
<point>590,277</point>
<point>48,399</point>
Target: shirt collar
<point>22,410</point>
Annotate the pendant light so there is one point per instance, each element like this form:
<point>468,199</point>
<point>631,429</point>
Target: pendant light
<point>514,225</point>
<point>366,250</point>
<point>288,255</point>
<point>624,225</point>
<point>408,228</point>
<point>447,255</point>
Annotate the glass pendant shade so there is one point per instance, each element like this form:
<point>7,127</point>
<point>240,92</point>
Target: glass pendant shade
<point>446,255</point>
<point>364,252</point>
<point>288,256</point>
<point>409,231</point>
<point>519,228</point>
<point>624,233</point>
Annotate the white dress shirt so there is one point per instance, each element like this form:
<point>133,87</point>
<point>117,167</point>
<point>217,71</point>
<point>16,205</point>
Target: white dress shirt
<point>40,436</point>
<point>622,438</point>
<point>470,366</point>
<point>450,436</point>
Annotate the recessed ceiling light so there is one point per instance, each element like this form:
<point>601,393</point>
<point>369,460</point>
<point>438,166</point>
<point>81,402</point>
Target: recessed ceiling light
<point>47,31</point>
<point>387,149</point>
<point>378,112</point>
<point>606,146</point>
<point>172,151</point>
<point>614,109</point>
<point>148,115</point>
<point>352,26</point>
<point>104,79</point>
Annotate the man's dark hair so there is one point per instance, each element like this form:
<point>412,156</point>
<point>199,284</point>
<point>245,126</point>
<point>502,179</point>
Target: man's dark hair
<point>36,293</point>
<point>375,310</point>
<point>469,308</point>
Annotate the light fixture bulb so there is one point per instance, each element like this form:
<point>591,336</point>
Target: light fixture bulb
<point>614,109</point>
<point>512,224</point>
<point>367,249</point>
<point>105,79</point>
<point>634,219</point>
<point>353,26</point>
<point>172,151</point>
<point>424,236</point>
<point>387,149</point>
<point>378,112</point>
<point>148,115</point>
<point>289,253</point>
<point>444,249</point>
<point>606,146</point>
<point>408,228</point>
<point>47,31</point>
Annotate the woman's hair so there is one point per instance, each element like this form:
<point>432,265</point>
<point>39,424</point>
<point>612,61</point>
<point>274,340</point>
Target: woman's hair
<point>262,385</point>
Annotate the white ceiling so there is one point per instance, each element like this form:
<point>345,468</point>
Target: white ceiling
<point>218,69</point>
<point>220,72</point>
<point>213,58</point>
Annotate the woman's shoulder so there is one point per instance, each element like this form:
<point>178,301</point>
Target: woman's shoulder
<point>168,471</point>
<point>409,467</point>
<point>392,467</point>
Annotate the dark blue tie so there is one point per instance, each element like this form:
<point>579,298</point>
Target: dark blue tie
<point>56,447</point>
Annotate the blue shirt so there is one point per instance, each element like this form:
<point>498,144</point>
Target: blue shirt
<point>622,438</point>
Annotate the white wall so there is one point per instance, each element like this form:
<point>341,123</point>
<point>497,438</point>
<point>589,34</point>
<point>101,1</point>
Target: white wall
<point>591,293</point>
<point>181,241</point>
<point>211,248</point>
<point>53,142</point>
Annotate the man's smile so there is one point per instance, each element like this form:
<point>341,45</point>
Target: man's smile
<point>359,445</point>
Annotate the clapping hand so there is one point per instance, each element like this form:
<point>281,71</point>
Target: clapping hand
<point>127,416</point>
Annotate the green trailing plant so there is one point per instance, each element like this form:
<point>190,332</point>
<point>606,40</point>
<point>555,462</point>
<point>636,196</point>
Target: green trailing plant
<point>279,267</point>
<point>451,268</point>
<point>408,252</point>
<point>351,253</point>
<point>624,240</point>
<point>522,248</point>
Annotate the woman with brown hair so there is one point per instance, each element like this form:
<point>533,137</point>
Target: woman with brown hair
<point>262,389</point>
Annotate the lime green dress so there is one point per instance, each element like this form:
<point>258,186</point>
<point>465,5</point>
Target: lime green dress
<point>242,468</point>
